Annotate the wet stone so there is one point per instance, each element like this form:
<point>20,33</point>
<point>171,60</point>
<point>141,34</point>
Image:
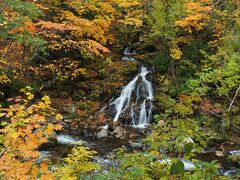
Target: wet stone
<point>119,132</point>
<point>102,134</point>
<point>70,109</point>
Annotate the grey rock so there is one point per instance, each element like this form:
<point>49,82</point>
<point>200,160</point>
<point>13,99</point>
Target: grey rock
<point>71,109</point>
<point>102,134</point>
<point>125,58</point>
<point>235,153</point>
<point>188,165</point>
<point>68,120</point>
<point>219,153</point>
<point>230,173</point>
<point>135,145</point>
<point>119,132</point>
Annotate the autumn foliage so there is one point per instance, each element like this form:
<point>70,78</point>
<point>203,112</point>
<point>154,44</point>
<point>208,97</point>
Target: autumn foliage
<point>25,129</point>
<point>72,51</point>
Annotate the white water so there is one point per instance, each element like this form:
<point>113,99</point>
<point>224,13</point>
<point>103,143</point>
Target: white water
<point>128,51</point>
<point>122,102</point>
<point>127,54</point>
<point>44,155</point>
<point>143,91</point>
<point>66,139</point>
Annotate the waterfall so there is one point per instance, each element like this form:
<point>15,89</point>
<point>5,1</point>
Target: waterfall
<point>122,102</point>
<point>140,110</point>
<point>143,114</point>
<point>128,53</point>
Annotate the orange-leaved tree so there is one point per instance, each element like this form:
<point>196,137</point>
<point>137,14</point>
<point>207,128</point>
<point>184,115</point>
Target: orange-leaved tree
<point>80,32</point>
<point>25,127</point>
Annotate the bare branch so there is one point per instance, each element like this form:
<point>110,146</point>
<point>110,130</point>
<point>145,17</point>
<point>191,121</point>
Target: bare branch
<point>3,151</point>
<point>237,91</point>
<point>4,6</point>
<point>36,54</point>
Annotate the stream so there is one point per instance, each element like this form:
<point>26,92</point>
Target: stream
<point>66,141</point>
<point>132,111</point>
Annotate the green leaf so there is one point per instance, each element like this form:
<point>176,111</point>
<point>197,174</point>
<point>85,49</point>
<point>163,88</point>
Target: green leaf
<point>2,114</point>
<point>177,167</point>
<point>188,148</point>
<point>4,123</point>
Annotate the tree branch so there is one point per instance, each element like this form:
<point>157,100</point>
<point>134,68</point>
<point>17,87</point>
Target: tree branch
<point>3,151</point>
<point>4,6</point>
<point>237,91</point>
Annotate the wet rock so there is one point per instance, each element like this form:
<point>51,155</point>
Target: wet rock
<point>135,145</point>
<point>209,151</point>
<point>68,120</point>
<point>125,58</point>
<point>113,125</point>
<point>235,153</point>
<point>133,135</point>
<point>119,132</point>
<point>188,165</point>
<point>231,173</point>
<point>70,109</point>
<point>102,134</point>
<point>103,161</point>
<point>219,153</point>
<point>67,139</point>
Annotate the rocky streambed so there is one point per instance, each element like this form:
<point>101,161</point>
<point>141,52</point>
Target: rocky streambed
<point>123,122</point>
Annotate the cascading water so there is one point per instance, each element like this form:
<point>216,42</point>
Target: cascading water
<point>128,51</point>
<point>128,54</point>
<point>140,110</point>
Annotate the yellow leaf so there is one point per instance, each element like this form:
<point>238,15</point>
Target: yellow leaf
<point>2,114</point>
<point>30,97</point>
<point>58,117</point>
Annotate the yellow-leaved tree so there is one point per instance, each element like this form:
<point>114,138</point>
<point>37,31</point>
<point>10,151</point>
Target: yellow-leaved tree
<point>78,164</point>
<point>197,17</point>
<point>25,127</point>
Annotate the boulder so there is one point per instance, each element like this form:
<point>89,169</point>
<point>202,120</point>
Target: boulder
<point>234,155</point>
<point>188,165</point>
<point>135,145</point>
<point>125,58</point>
<point>231,173</point>
<point>133,135</point>
<point>70,109</point>
<point>113,125</point>
<point>102,134</point>
<point>119,132</point>
<point>219,153</point>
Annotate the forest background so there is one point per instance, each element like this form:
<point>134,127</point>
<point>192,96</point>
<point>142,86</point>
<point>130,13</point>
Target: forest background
<point>58,52</point>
